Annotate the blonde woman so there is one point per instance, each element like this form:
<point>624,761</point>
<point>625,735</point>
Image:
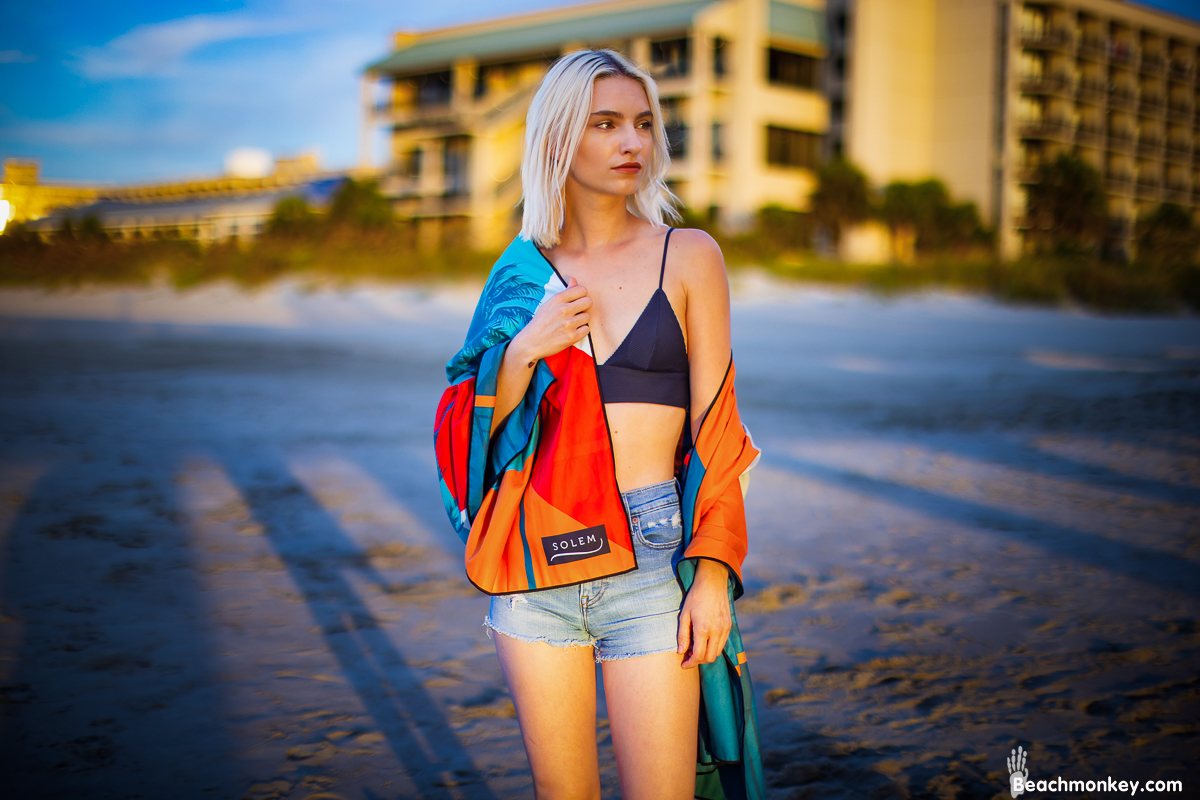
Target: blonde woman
<point>590,453</point>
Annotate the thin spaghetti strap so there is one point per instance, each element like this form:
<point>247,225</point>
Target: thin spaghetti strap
<point>663,270</point>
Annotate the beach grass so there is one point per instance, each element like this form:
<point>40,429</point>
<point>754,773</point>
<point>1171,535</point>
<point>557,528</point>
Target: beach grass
<point>349,256</point>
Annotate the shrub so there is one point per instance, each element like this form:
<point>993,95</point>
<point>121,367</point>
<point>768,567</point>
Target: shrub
<point>842,197</point>
<point>1067,207</point>
<point>292,219</point>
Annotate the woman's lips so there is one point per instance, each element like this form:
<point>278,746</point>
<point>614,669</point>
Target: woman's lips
<point>628,169</point>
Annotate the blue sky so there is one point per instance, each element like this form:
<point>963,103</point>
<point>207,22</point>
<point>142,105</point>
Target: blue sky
<point>143,90</point>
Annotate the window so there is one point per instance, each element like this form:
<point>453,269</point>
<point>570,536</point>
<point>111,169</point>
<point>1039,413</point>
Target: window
<point>720,68</point>
<point>676,129</point>
<point>669,58</point>
<point>454,165</point>
<point>718,149</point>
<point>791,69</point>
<point>410,163</point>
<point>789,148</point>
<point>433,89</point>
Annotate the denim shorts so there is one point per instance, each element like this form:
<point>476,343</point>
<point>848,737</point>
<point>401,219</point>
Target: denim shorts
<point>624,616</point>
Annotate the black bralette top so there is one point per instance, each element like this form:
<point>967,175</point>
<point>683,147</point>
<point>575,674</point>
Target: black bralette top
<point>651,363</point>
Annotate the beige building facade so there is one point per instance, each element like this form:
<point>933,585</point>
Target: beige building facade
<point>978,93</point>
<point>740,82</point>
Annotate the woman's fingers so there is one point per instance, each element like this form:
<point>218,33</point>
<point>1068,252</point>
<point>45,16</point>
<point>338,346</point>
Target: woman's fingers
<point>562,321</point>
<point>572,294</point>
<point>683,638</point>
<point>706,641</point>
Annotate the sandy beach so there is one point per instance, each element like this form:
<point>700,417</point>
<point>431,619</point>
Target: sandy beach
<point>226,571</point>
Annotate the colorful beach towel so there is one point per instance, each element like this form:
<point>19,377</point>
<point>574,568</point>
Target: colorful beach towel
<point>537,503</point>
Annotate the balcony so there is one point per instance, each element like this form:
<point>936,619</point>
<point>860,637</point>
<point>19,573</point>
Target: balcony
<point>1058,84</point>
<point>433,206</point>
<point>1179,110</point>
<point>454,115</point>
<point>1120,53</point>
<point>399,184</point>
<point>1180,70</point>
<point>1093,47</point>
<point>1089,134</point>
<point>1093,91</point>
<point>1120,97</point>
<point>1119,184</point>
<point>1150,105</point>
<point>1058,129</point>
<point>408,116</point>
<point>1177,193</point>
<point>1149,146</point>
<point>1048,39</point>
<point>1152,64</point>
<point>1120,140</point>
<point>1027,173</point>
<point>1179,153</point>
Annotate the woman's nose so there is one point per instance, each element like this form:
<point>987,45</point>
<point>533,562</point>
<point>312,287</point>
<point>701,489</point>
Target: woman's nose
<point>630,141</point>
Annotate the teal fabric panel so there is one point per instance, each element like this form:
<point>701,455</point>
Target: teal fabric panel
<point>513,290</point>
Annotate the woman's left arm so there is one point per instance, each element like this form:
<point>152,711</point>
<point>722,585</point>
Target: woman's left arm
<point>704,620</point>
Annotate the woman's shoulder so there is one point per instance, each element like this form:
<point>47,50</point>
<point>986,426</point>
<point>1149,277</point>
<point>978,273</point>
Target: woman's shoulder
<point>697,257</point>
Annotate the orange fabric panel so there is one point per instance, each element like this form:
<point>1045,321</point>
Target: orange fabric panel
<point>541,520</point>
<point>495,555</point>
<point>575,472</point>
<point>726,452</point>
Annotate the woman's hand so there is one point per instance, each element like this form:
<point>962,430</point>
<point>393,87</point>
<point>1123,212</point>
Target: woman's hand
<point>704,621</point>
<point>559,323</point>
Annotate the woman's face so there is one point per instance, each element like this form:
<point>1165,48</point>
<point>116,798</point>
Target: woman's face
<point>618,140</point>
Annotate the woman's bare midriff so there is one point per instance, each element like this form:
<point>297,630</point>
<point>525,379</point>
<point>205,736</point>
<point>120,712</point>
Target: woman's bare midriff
<point>644,439</point>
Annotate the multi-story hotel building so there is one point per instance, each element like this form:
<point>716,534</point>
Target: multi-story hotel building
<point>740,82</point>
<point>978,93</point>
<point>222,208</point>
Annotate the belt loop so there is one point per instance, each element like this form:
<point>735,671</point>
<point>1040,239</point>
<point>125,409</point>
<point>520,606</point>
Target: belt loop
<point>628,513</point>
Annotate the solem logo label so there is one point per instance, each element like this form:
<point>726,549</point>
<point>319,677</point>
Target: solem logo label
<point>575,546</point>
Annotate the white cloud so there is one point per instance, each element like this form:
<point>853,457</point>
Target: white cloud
<point>16,57</point>
<point>160,49</point>
<point>176,101</point>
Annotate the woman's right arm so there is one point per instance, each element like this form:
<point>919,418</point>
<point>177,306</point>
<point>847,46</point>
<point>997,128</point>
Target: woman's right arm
<point>558,324</point>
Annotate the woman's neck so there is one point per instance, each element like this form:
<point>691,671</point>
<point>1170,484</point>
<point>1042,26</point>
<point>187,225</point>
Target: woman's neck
<point>594,221</point>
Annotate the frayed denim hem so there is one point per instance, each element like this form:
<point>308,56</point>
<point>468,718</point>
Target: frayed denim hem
<point>627,656</point>
<point>490,626</point>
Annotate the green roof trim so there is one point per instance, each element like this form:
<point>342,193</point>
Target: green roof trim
<point>798,22</point>
<point>439,53</point>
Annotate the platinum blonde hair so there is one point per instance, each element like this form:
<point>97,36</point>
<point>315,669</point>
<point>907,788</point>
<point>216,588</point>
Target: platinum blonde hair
<point>554,127</point>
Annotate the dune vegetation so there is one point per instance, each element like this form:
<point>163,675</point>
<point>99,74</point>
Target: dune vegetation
<point>937,243</point>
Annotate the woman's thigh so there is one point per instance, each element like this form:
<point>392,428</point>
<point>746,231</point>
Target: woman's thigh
<point>554,691</point>
<point>653,708</point>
